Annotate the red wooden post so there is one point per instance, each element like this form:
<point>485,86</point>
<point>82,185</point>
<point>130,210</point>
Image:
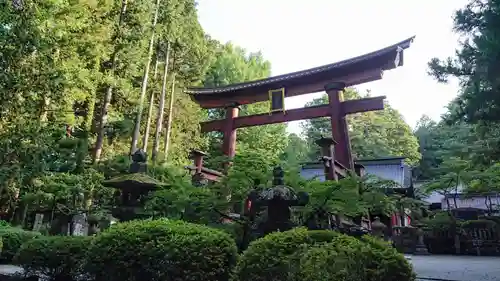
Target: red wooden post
<point>328,156</point>
<point>339,124</point>
<point>229,144</point>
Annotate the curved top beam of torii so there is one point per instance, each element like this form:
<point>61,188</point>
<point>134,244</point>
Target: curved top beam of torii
<point>365,68</point>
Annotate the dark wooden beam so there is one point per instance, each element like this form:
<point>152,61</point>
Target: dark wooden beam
<point>363,105</point>
<point>262,93</point>
<point>349,107</point>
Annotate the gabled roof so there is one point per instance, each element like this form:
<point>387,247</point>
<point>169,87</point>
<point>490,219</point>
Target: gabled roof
<point>374,59</point>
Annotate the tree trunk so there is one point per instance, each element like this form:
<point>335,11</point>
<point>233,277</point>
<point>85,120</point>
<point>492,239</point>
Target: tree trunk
<point>137,127</point>
<point>161,107</point>
<point>83,143</point>
<point>148,122</point>
<point>44,109</point>
<point>25,214</point>
<point>169,118</point>
<point>106,101</point>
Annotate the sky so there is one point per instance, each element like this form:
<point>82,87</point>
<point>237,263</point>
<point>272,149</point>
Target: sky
<point>295,35</point>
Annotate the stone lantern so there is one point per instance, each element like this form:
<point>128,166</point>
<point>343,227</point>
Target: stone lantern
<point>378,228</point>
<point>132,189</point>
<point>420,248</point>
<point>278,200</point>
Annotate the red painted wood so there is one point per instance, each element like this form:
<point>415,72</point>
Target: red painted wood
<point>348,107</point>
<point>339,128</point>
<point>363,105</point>
<point>229,143</point>
<point>300,87</point>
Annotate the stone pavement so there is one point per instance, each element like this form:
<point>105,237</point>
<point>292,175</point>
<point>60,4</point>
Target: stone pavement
<point>462,268</point>
<point>434,267</point>
<point>7,269</point>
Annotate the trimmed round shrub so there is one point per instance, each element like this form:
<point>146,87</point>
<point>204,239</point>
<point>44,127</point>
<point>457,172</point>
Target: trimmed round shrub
<point>326,263</point>
<point>384,262</point>
<point>57,257</point>
<point>278,257</point>
<point>12,239</point>
<point>161,250</point>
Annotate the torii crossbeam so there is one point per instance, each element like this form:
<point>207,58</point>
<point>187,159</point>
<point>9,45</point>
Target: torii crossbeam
<point>332,78</point>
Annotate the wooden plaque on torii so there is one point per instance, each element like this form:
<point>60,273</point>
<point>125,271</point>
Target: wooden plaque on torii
<point>331,78</point>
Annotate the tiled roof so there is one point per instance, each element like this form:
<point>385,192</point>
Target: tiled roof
<point>312,71</point>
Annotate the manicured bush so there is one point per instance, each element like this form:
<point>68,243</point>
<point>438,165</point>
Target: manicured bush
<point>280,257</point>
<point>161,250</point>
<point>275,256</point>
<point>326,263</point>
<point>383,262</point>
<point>57,257</point>
<point>12,239</point>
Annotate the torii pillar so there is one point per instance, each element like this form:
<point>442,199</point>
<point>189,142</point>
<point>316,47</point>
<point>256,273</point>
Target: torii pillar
<point>229,143</point>
<point>338,121</point>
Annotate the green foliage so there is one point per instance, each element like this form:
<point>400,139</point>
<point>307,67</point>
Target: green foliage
<point>4,224</point>
<point>270,257</point>
<point>470,128</point>
<point>440,221</point>
<point>138,250</point>
<point>12,239</point>
<point>57,257</point>
<point>296,151</point>
<point>372,134</point>
<point>480,224</point>
<point>333,197</point>
<point>474,64</point>
<point>385,263</point>
<point>298,254</point>
<point>326,262</point>
<point>186,202</point>
<point>233,64</point>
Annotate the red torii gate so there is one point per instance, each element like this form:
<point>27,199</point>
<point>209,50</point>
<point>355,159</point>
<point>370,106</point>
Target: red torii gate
<point>332,78</point>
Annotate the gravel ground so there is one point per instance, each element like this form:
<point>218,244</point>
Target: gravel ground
<point>462,268</point>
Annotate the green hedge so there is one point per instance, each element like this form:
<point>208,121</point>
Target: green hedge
<point>12,239</point>
<point>385,263</point>
<point>326,263</point>
<point>275,256</point>
<point>281,257</point>
<point>57,257</point>
<point>161,250</point>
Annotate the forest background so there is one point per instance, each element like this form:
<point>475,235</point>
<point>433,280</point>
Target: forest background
<point>84,83</point>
